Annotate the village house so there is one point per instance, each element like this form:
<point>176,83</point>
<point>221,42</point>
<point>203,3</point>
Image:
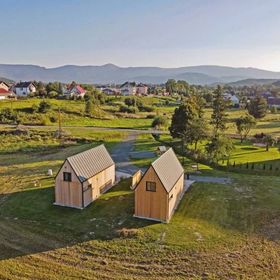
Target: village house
<point>75,91</point>
<point>273,102</point>
<point>232,99</point>
<point>4,85</point>
<point>110,91</point>
<point>23,89</point>
<point>141,89</point>
<point>159,191</point>
<point>6,94</point>
<point>128,88</point>
<point>82,178</point>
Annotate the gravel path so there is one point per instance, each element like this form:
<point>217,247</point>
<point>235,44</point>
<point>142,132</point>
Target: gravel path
<point>208,179</point>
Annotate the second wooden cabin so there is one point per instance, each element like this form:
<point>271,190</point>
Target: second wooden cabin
<point>160,189</point>
<point>84,177</point>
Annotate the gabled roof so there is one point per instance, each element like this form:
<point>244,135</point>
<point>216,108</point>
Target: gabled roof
<point>4,83</point>
<point>5,92</point>
<point>168,169</point>
<point>89,163</point>
<point>132,84</point>
<point>78,88</point>
<point>24,84</point>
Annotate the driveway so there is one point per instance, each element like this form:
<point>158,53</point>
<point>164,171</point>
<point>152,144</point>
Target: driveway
<point>121,153</point>
<point>208,179</point>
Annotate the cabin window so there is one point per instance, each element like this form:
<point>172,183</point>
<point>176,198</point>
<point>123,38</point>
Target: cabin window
<point>150,186</point>
<point>67,176</point>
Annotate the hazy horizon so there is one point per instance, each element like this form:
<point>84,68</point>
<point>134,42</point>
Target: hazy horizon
<point>157,33</point>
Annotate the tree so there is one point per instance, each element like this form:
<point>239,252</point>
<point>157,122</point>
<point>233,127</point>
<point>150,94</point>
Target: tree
<point>89,106</point>
<point>269,142</point>
<point>219,148</point>
<point>218,118</point>
<point>244,124</point>
<point>257,107</point>
<point>171,86</point>
<point>199,131</point>
<point>188,123</point>
<point>159,122</point>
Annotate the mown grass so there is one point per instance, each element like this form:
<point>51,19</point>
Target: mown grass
<point>218,230</point>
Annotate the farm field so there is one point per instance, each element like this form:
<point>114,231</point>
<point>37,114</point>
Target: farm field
<point>218,232</point>
<point>72,114</point>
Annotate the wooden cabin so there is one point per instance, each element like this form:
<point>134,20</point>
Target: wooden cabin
<point>160,189</point>
<point>84,177</point>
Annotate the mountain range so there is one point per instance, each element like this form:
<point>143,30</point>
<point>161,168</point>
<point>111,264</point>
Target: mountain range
<point>110,73</point>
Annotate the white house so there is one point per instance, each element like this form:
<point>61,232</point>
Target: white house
<point>233,99</point>
<point>24,88</point>
<point>128,88</point>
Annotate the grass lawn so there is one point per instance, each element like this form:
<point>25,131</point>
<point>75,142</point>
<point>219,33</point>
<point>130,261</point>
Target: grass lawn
<point>218,231</point>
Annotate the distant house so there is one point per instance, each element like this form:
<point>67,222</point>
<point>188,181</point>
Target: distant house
<point>6,94</point>
<point>75,91</point>
<point>110,91</point>
<point>128,88</point>
<point>160,189</point>
<point>84,177</point>
<point>232,98</point>
<point>4,85</point>
<point>142,89</point>
<point>24,88</point>
<point>273,102</point>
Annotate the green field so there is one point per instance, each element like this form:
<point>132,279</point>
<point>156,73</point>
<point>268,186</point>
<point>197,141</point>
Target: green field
<point>72,114</point>
<point>218,232</point>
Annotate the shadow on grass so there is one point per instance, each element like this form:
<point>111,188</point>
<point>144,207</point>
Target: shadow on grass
<point>30,223</point>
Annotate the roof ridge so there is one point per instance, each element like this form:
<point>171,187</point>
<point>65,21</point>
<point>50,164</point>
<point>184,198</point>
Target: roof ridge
<point>86,150</point>
<point>169,149</point>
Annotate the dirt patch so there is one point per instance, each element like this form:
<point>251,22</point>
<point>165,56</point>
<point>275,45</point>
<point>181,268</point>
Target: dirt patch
<point>271,229</point>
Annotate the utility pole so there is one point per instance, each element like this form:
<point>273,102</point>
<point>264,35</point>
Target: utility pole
<point>59,124</point>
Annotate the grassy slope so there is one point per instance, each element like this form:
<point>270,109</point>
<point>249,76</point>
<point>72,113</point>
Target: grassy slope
<point>219,230</point>
<point>73,115</point>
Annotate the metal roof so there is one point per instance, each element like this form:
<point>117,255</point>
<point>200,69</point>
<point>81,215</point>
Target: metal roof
<point>89,163</point>
<point>168,169</point>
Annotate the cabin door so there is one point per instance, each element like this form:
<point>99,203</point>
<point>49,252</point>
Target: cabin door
<point>65,194</point>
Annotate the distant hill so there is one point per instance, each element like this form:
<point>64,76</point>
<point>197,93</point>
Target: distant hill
<point>252,82</point>
<point>8,81</point>
<point>110,73</point>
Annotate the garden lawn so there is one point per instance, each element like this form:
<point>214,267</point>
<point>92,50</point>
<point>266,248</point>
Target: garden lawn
<point>222,231</point>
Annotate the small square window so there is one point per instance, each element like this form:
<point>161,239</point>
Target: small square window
<point>67,176</point>
<point>150,186</point>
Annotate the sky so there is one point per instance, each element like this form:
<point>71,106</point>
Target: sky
<point>164,33</point>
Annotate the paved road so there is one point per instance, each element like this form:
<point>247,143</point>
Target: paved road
<point>120,155</point>
<point>209,179</point>
<point>97,128</point>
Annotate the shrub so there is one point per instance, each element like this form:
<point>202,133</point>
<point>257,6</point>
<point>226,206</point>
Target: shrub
<point>53,119</point>
<point>7,115</point>
<point>44,106</point>
<point>128,109</point>
<point>159,122</point>
<point>144,108</point>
